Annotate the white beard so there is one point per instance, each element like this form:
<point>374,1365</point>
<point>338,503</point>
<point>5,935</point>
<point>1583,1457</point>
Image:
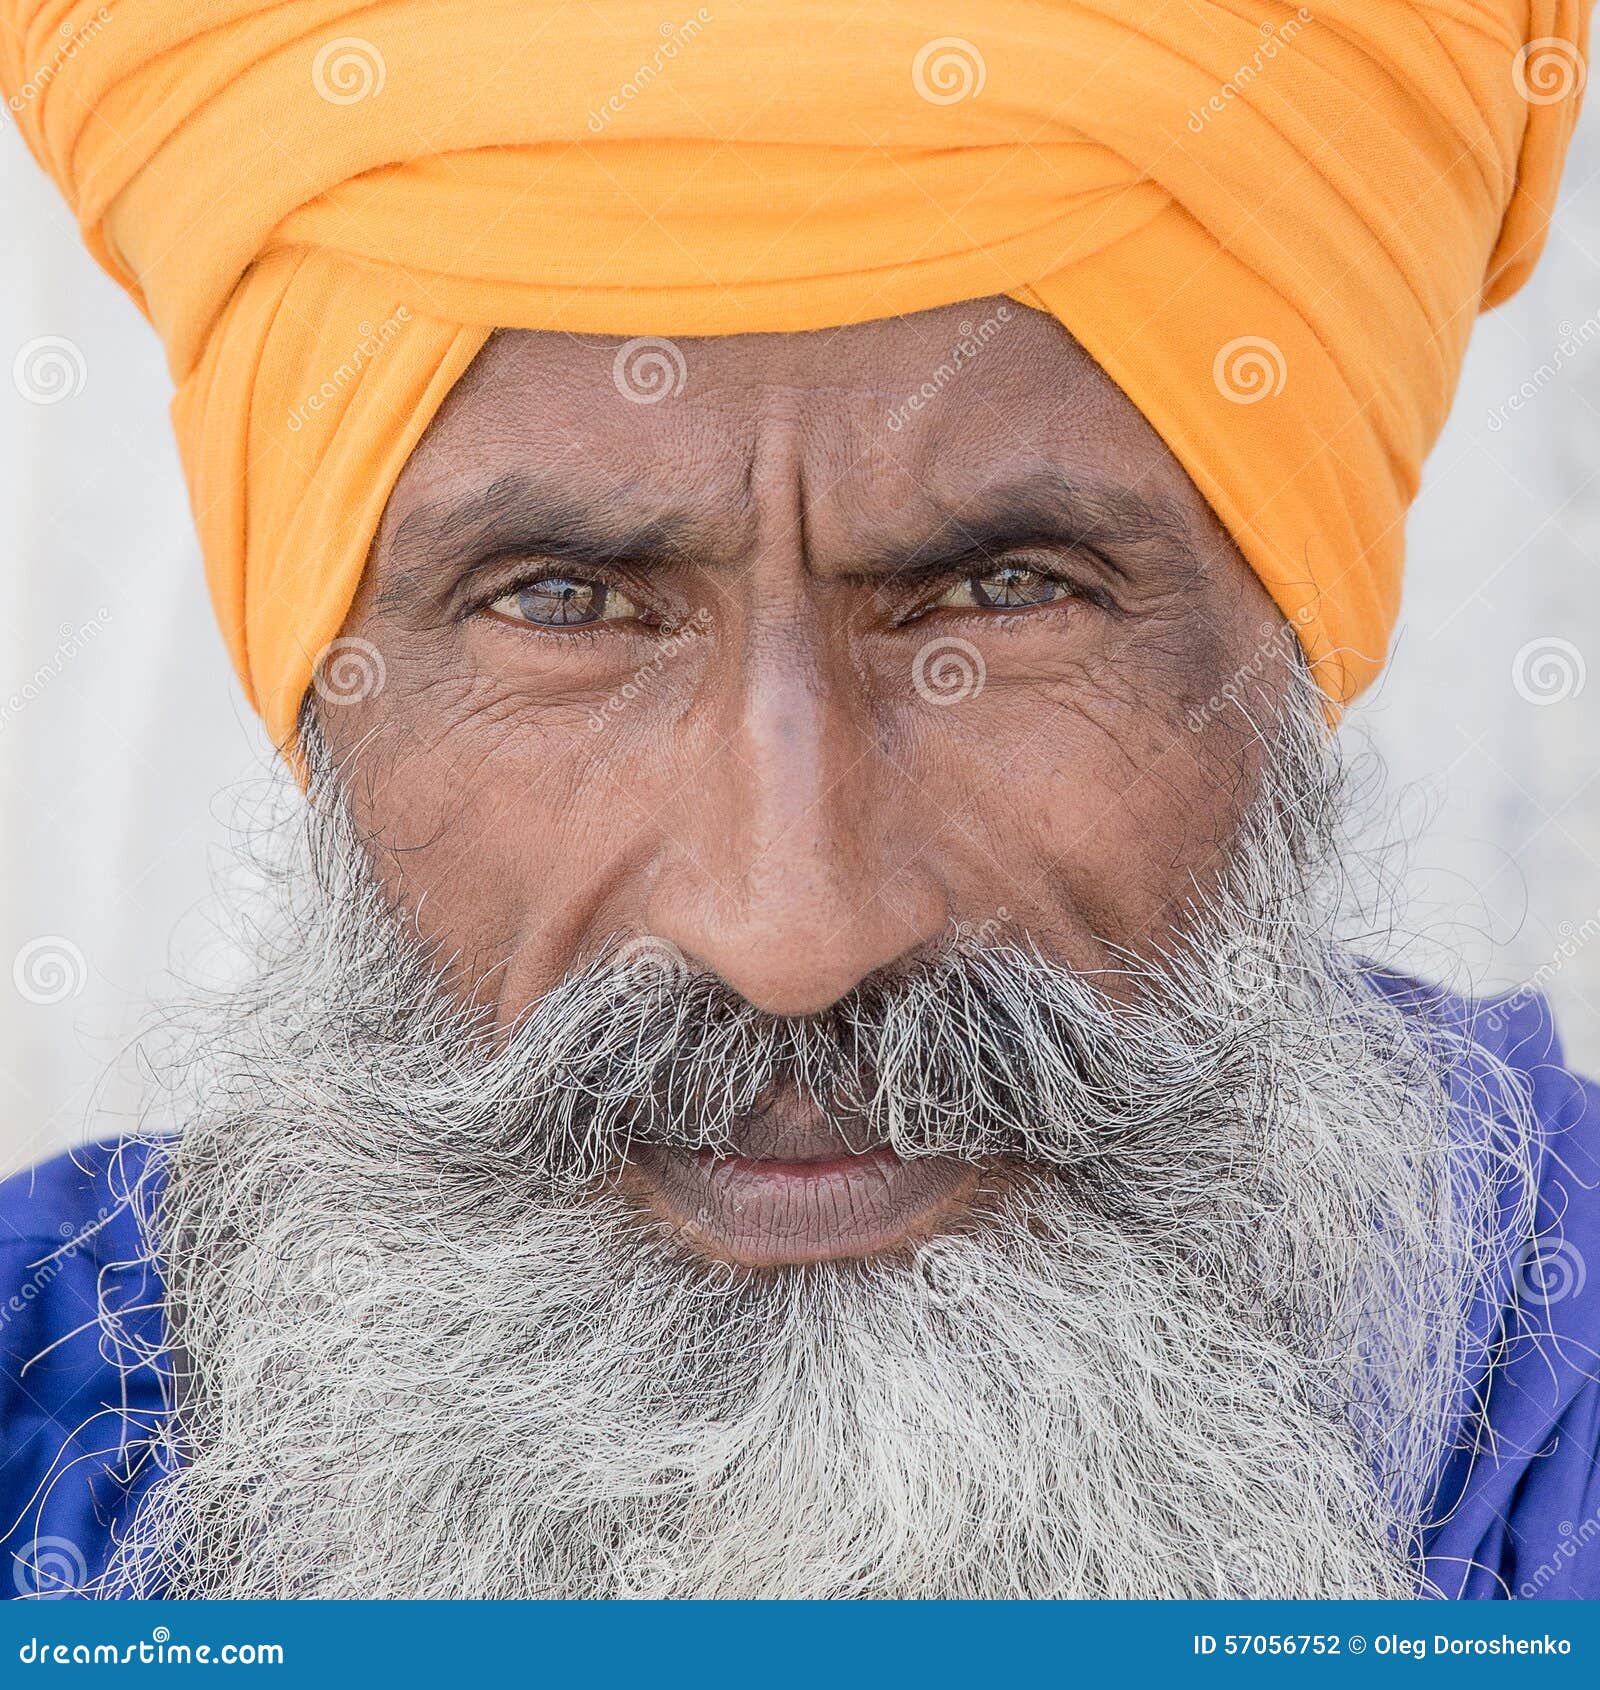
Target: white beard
<point>1210,1346</point>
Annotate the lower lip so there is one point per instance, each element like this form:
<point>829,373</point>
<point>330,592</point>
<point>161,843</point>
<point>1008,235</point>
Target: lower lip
<point>762,1213</point>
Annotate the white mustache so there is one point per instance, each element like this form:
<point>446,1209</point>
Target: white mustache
<point>976,1052</point>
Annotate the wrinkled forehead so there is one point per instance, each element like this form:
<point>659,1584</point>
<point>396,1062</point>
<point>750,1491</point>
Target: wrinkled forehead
<point>872,433</point>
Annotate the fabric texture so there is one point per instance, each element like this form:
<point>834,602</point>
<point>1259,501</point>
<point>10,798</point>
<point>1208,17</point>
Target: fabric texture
<point>1519,1493</point>
<point>1271,226</point>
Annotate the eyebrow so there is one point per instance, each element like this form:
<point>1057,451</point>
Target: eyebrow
<point>520,513</point>
<point>1117,522</point>
<point>438,546</point>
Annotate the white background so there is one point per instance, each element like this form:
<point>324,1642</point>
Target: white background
<point>118,746</point>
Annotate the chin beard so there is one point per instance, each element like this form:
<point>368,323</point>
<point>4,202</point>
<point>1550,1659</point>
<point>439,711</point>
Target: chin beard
<point>1206,1338</point>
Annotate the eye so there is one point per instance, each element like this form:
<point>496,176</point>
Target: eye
<point>564,601</point>
<point>1011,586</point>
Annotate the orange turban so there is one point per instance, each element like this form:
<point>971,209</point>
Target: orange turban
<point>1271,226</point>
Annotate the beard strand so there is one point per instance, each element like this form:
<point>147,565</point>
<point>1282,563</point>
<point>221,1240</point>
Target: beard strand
<point>1209,1343</point>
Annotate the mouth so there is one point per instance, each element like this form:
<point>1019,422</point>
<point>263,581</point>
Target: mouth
<point>794,1189</point>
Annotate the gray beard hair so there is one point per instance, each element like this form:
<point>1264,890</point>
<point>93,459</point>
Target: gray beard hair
<point>1210,1345</point>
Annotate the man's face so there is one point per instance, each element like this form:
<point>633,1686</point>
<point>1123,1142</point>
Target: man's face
<point>795,1047</point>
<point>784,660</point>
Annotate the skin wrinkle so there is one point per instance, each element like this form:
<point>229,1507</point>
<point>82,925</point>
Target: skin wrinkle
<point>1174,1302</point>
<point>897,815</point>
<point>1246,1218</point>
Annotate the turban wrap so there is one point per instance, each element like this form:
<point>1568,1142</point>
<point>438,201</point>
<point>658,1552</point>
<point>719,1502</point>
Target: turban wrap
<point>1271,226</point>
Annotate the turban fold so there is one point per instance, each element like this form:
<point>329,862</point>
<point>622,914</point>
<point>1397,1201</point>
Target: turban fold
<point>1271,226</point>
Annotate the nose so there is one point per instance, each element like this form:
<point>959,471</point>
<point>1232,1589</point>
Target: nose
<point>799,863</point>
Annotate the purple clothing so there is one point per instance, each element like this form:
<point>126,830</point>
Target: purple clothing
<point>1518,1508</point>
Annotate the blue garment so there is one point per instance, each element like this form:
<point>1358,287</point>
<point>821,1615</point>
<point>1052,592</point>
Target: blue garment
<point>77,1401</point>
<point>1518,1503</point>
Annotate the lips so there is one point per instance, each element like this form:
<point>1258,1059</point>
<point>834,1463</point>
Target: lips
<point>796,1189</point>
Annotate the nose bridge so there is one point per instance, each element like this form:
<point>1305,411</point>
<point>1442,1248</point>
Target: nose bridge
<point>801,754</point>
<point>797,880</point>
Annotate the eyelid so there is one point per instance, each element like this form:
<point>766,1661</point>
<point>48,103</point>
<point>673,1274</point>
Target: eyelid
<point>494,578</point>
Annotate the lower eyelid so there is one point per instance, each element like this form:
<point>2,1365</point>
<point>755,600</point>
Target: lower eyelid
<point>566,634</point>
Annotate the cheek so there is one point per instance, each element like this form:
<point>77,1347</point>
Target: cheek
<point>512,835</point>
<point>1090,818</point>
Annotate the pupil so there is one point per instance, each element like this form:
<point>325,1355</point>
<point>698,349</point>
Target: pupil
<point>559,603</point>
<point>1012,586</point>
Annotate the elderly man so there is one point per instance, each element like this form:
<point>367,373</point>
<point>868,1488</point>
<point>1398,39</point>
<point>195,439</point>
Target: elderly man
<point>804,564</point>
